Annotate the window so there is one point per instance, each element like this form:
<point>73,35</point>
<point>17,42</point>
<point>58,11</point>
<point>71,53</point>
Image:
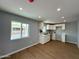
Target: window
<point>15,30</point>
<point>25,28</point>
<point>19,30</point>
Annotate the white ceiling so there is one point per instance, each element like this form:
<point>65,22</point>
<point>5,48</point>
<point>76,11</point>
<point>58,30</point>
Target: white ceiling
<point>47,9</point>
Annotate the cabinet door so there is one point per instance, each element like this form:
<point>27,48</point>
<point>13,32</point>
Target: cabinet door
<point>63,26</point>
<point>51,27</point>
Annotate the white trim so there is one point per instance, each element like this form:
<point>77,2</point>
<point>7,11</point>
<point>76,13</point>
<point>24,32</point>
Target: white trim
<point>78,44</point>
<point>72,42</point>
<point>7,55</point>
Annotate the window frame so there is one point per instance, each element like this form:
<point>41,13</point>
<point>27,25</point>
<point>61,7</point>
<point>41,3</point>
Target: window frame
<point>21,31</point>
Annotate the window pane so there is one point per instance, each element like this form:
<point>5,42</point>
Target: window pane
<point>25,30</point>
<point>15,30</point>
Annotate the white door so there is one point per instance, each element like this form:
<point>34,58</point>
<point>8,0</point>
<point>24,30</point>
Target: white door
<point>59,33</point>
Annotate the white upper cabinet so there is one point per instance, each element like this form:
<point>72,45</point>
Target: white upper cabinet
<point>53,27</point>
<point>63,26</point>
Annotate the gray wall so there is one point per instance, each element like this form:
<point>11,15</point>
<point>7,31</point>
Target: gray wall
<point>7,45</point>
<point>0,35</point>
<point>71,32</point>
<point>78,33</point>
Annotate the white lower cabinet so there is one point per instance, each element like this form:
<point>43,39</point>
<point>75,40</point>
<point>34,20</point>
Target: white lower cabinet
<point>44,38</point>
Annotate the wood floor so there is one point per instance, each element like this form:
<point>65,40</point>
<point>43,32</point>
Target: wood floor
<point>51,50</point>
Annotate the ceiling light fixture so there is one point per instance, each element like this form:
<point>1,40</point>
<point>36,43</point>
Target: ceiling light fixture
<point>62,17</point>
<point>21,8</point>
<point>59,9</point>
<point>64,20</point>
<point>30,1</point>
<point>39,17</point>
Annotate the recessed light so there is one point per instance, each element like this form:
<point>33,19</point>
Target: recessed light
<point>39,17</point>
<point>59,9</point>
<point>64,20</point>
<point>21,8</point>
<point>62,17</point>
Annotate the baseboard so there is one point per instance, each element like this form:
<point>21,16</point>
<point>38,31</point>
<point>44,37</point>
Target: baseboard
<point>72,42</point>
<point>78,45</point>
<point>7,55</point>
